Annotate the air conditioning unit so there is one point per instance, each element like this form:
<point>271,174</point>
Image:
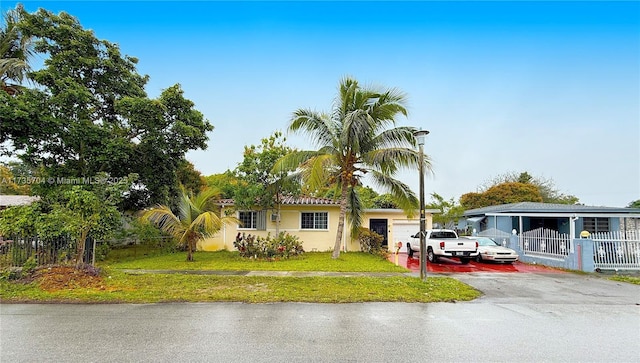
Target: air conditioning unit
<point>275,217</point>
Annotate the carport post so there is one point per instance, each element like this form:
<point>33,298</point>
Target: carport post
<point>420,137</point>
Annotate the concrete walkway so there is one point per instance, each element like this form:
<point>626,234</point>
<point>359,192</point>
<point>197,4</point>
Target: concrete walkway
<point>272,273</point>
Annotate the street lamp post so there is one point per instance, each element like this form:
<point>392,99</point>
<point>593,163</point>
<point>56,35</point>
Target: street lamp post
<point>421,135</point>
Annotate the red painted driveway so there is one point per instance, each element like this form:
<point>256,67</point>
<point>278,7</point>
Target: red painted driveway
<point>445,265</point>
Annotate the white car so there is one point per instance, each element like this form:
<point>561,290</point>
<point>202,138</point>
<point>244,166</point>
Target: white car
<point>491,250</point>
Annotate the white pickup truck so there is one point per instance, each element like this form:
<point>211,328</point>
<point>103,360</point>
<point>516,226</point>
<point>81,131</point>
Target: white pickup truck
<point>444,243</point>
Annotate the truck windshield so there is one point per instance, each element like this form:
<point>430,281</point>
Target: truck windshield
<point>443,234</point>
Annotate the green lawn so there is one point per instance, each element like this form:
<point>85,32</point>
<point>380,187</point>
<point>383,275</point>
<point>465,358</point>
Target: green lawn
<point>231,261</point>
<point>115,286</point>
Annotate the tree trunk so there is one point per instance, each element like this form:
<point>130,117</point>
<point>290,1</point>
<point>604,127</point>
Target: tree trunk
<point>343,213</point>
<point>80,248</point>
<point>190,242</point>
<point>278,220</point>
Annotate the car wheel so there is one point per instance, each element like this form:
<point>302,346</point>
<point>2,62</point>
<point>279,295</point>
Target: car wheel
<point>431,256</point>
<point>464,261</point>
<point>409,250</point>
<point>478,258</point>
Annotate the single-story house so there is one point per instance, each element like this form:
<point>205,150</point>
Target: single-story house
<point>562,218</point>
<point>315,222</point>
<point>7,201</point>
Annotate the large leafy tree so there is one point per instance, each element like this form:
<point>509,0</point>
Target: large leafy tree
<point>546,187</point>
<point>260,185</point>
<point>226,183</point>
<point>450,211</point>
<point>357,138</point>
<point>190,178</point>
<point>89,112</point>
<point>197,218</point>
<point>12,184</point>
<point>503,193</point>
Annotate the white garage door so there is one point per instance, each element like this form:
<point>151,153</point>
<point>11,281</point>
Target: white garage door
<point>402,232</point>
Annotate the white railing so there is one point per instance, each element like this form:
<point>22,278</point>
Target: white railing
<point>617,250</point>
<point>545,242</point>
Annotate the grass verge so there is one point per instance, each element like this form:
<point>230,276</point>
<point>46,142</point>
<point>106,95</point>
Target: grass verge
<point>629,279</point>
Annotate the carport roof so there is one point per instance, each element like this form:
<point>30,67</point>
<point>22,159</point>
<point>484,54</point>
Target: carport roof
<point>532,207</point>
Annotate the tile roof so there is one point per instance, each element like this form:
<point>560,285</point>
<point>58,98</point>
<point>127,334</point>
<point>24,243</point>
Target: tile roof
<point>532,207</point>
<point>294,201</point>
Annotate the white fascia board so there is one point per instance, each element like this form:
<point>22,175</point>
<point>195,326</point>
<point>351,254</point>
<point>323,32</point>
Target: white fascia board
<point>566,215</point>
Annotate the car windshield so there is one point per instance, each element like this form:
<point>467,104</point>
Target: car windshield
<point>486,242</point>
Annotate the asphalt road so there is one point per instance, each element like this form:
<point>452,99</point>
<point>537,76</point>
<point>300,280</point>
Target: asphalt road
<point>521,318</point>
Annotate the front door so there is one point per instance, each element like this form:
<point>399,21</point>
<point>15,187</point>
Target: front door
<point>380,227</point>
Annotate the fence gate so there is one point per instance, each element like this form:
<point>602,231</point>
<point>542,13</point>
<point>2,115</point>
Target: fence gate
<point>617,250</point>
<point>545,243</point>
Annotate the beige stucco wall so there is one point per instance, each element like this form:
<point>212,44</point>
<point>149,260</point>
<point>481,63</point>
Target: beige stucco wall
<point>392,216</point>
<point>313,240</point>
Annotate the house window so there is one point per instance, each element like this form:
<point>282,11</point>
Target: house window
<point>314,220</point>
<point>595,224</point>
<point>248,219</point>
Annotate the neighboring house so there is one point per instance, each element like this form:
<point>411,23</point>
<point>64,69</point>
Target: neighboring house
<point>562,218</point>
<point>315,222</point>
<point>7,201</point>
<point>575,237</point>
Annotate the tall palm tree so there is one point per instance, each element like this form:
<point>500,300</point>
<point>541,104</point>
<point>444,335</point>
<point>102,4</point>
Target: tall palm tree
<point>197,219</point>
<point>15,52</point>
<point>354,140</point>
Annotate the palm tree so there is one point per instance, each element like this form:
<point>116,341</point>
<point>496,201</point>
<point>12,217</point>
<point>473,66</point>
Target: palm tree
<point>15,52</point>
<point>197,219</point>
<point>355,140</point>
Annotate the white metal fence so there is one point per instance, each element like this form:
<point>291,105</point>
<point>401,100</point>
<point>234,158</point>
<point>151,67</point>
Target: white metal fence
<point>617,250</point>
<point>545,242</point>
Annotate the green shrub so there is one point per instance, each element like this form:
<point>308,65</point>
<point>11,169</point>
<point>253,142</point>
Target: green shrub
<point>371,242</point>
<point>29,266</point>
<point>283,246</point>
<point>102,251</point>
<point>11,273</point>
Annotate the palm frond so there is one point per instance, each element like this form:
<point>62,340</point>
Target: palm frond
<point>293,160</point>
<point>318,170</point>
<point>317,126</point>
<point>163,218</point>
<point>389,160</point>
<point>401,192</point>
<point>396,137</point>
<point>206,224</point>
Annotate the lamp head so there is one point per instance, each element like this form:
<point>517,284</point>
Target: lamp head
<point>421,136</point>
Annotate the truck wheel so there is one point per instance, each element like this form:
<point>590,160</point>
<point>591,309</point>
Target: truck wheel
<point>464,261</point>
<point>431,256</point>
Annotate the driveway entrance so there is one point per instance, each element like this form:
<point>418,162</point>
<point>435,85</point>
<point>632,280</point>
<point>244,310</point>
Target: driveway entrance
<point>446,265</point>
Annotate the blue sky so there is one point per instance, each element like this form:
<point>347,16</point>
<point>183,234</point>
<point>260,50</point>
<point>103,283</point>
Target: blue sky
<point>551,88</point>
